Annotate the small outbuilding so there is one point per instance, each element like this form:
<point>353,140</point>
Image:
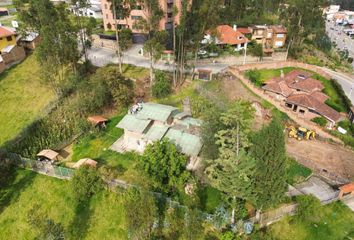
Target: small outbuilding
<point>4,12</point>
<point>48,155</point>
<point>86,162</point>
<point>30,40</point>
<point>98,121</point>
<point>204,74</point>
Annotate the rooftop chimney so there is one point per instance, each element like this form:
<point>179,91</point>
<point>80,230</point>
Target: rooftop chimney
<point>235,27</point>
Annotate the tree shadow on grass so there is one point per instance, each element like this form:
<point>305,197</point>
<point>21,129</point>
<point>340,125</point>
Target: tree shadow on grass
<point>80,224</point>
<point>13,189</point>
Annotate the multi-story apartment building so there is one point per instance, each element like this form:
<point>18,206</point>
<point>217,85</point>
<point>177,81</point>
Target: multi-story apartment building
<point>137,13</point>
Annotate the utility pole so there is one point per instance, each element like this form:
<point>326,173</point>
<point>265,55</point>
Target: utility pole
<point>245,55</point>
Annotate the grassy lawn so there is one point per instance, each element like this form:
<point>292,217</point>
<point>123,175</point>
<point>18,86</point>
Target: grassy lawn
<point>101,218</point>
<point>296,172</point>
<point>336,224</point>
<point>22,98</point>
<point>264,75</point>
<point>336,100</point>
<point>96,146</point>
<point>134,72</point>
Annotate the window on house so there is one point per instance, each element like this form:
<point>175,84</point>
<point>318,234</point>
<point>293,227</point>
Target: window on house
<point>288,105</point>
<point>242,45</point>
<point>9,38</point>
<point>302,111</point>
<point>91,14</point>
<point>280,35</point>
<point>136,17</point>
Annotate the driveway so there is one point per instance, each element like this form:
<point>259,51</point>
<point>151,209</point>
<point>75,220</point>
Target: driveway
<point>318,188</point>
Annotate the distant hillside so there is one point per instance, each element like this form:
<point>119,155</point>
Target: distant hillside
<point>345,4</point>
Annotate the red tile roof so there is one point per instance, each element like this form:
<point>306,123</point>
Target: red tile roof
<point>347,188</point>
<point>244,30</point>
<point>97,119</point>
<point>320,96</point>
<point>227,35</point>
<point>4,32</point>
<point>279,86</point>
<point>311,102</point>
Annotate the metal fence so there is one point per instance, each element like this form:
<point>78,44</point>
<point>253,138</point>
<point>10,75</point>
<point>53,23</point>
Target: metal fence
<point>41,167</point>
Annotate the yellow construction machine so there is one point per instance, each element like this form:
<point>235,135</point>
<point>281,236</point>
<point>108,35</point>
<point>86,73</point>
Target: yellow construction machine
<point>301,133</point>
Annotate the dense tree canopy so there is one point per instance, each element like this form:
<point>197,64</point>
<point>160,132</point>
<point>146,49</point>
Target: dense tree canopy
<point>165,166</point>
<point>270,177</point>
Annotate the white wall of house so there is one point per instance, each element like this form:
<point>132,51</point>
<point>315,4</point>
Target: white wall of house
<point>240,47</point>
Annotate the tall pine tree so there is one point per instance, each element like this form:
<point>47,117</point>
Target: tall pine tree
<point>268,150</point>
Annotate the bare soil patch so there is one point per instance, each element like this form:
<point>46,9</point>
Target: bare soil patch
<point>327,156</point>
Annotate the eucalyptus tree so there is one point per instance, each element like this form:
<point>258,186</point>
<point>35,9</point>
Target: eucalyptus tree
<point>58,51</point>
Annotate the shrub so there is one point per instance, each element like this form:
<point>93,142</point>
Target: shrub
<point>85,183</point>
<point>320,121</point>
<point>119,88</point>
<point>308,208</point>
<point>255,77</point>
<point>162,85</point>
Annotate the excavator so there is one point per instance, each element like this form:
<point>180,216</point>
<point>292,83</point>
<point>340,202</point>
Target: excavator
<point>301,133</point>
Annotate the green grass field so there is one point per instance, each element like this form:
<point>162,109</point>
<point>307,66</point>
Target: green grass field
<point>22,98</point>
<point>337,223</point>
<point>101,218</point>
<point>296,172</point>
<point>96,146</point>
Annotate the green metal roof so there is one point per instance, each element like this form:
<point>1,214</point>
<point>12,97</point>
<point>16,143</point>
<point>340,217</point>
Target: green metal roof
<point>186,143</point>
<point>155,111</point>
<point>131,123</point>
<point>191,121</point>
<point>156,132</point>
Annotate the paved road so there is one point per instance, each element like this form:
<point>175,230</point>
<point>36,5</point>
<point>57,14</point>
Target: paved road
<point>101,57</point>
<point>343,41</point>
<point>346,81</point>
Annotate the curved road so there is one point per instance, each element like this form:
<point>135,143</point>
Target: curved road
<point>101,57</point>
<point>346,81</point>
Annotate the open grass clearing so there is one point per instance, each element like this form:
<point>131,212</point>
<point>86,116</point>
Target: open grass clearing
<point>101,218</point>
<point>23,97</point>
<point>335,224</point>
<point>95,145</point>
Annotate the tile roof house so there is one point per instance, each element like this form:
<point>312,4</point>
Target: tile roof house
<point>302,94</point>
<point>226,35</point>
<point>149,122</point>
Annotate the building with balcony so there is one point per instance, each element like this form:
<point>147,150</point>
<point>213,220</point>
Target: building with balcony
<point>139,12</point>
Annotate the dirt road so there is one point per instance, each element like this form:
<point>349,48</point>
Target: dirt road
<point>325,156</point>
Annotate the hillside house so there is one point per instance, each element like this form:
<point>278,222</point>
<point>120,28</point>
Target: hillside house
<point>270,37</point>
<point>149,122</point>
<point>226,35</point>
<point>303,95</point>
